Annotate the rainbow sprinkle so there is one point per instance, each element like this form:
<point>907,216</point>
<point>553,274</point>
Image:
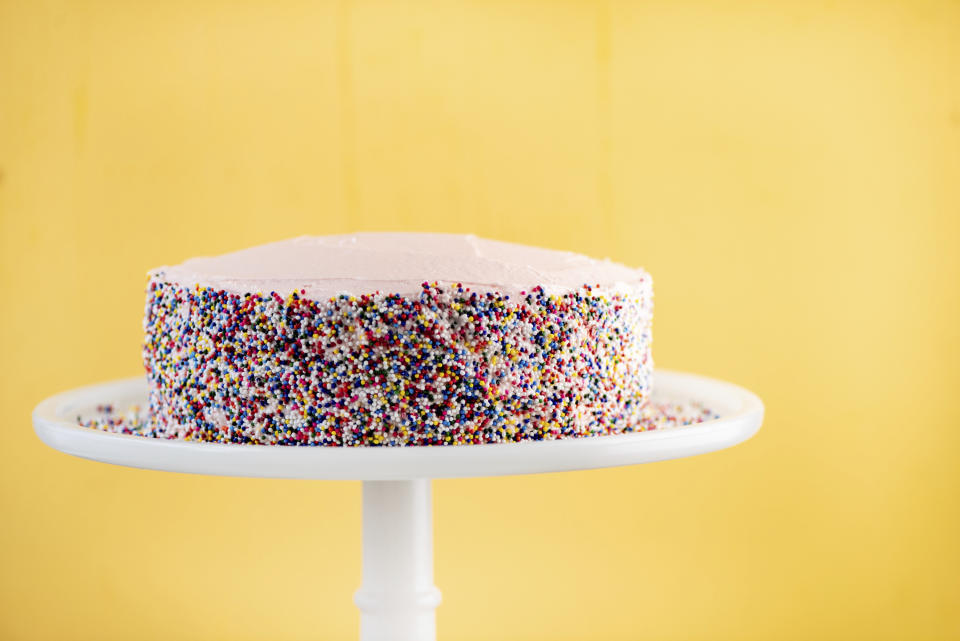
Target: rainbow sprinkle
<point>449,366</point>
<point>656,416</point>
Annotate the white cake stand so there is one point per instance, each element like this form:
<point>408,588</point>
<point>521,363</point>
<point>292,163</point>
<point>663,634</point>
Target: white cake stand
<point>397,597</point>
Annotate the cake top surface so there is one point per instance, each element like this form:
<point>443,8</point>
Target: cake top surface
<point>397,262</point>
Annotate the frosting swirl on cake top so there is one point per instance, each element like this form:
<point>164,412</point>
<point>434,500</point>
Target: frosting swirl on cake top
<point>327,266</point>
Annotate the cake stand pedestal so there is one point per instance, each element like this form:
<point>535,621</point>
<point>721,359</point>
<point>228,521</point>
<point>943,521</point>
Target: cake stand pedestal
<point>397,597</point>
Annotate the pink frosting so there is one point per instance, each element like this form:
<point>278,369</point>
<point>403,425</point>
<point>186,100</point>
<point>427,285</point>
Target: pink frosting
<point>326,266</point>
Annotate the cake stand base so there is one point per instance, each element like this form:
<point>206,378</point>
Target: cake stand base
<point>397,598</point>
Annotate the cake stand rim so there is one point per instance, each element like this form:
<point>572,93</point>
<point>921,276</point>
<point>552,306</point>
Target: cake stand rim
<point>744,415</point>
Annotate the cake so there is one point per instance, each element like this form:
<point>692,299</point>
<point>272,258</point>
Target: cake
<point>396,339</point>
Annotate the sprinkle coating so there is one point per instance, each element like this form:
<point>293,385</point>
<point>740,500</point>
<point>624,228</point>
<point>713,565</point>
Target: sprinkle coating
<point>134,421</point>
<point>449,366</point>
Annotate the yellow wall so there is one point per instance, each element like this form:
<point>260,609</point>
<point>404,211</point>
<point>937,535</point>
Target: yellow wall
<point>789,172</point>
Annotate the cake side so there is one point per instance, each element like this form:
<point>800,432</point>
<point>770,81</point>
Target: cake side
<point>330,341</point>
<point>447,367</point>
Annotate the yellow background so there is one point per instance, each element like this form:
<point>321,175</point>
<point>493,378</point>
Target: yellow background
<point>789,172</point>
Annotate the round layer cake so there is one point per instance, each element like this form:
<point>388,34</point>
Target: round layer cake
<point>396,339</point>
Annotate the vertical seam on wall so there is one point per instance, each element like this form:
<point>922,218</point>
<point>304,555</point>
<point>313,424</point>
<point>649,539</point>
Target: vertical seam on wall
<point>604,155</point>
<point>347,104</point>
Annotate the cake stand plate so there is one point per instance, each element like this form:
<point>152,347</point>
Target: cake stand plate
<point>397,598</point>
